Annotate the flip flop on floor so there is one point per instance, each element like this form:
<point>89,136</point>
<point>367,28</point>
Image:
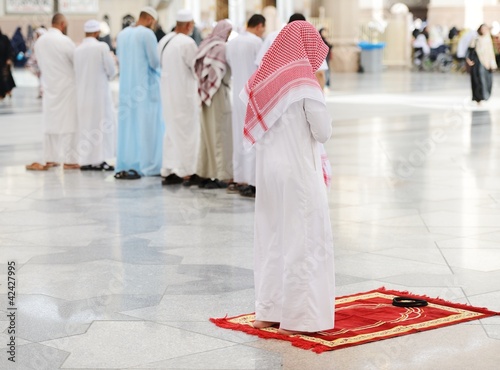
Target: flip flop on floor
<point>35,166</point>
<point>127,175</point>
<point>71,166</point>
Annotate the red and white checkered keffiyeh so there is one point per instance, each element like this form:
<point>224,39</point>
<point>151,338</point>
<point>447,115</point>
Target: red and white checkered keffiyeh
<point>285,76</point>
<point>210,61</point>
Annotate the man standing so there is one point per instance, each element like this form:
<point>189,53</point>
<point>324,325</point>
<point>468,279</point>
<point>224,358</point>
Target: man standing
<point>94,67</point>
<point>55,52</point>
<point>181,103</point>
<point>241,53</point>
<point>215,159</point>
<point>140,125</point>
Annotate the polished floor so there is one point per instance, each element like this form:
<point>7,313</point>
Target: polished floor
<point>121,275</point>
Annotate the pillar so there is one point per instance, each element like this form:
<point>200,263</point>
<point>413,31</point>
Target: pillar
<point>222,10</point>
<point>459,13</point>
<point>237,14</point>
<point>345,15</point>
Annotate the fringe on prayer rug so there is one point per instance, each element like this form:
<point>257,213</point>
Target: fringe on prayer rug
<point>368,317</point>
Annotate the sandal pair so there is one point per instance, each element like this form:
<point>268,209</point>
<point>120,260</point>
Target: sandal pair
<point>127,175</point>
<point>97,167</point>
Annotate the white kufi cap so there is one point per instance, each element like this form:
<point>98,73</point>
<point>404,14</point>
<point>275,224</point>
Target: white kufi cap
<point>92,26</point>
<point>184,15</point>
<point>151,11</point>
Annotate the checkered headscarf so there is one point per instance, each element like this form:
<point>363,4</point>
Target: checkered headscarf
<point>210,61</point>
<point>285,76</point>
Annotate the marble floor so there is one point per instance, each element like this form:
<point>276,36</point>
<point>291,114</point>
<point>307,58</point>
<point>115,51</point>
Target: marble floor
<point>124,275</point>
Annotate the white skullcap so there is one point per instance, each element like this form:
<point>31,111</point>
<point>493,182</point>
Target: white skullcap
<point>92,26</point>
<point>105,30</point>
<point>41,31</point>
<point>151,11</point>
<point>184,15</point>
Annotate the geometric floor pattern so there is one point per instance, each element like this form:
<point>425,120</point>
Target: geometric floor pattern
<point>125,275</point>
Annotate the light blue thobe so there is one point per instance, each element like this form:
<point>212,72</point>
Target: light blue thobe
<point>140,122</point>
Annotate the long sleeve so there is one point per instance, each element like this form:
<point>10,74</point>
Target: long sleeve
<point>108,61</point>
<point>151,45</point>
<point>319,120</point>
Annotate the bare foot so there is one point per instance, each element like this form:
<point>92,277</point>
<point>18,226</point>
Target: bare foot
<point>52,164</point>
<point>292,332</point>
<point>264,324</point>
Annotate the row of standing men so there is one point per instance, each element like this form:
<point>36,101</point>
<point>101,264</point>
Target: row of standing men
<point>175,116</point>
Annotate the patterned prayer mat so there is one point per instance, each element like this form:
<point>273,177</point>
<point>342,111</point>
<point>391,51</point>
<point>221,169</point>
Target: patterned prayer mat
<point>368,317</point>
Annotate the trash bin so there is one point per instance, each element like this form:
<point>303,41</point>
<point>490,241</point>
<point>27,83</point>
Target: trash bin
<point>372,55</point>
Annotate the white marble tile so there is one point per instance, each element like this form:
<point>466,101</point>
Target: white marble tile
<point>122,344</point>
<point>473,259</point>
<point>127,274</point>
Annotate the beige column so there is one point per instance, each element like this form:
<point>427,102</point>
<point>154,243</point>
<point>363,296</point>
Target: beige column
<point>459,13</point>
<point>345,34</point>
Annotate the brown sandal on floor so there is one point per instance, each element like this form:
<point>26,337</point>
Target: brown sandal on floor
<point>35,166</point>
<point>71,166</point>
<point>52,164</point>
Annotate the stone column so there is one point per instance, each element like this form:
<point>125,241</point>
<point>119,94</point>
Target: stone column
<point>237,14</point>
<point>459,13</point>
<point>345,34</point>
<point>222,10</point>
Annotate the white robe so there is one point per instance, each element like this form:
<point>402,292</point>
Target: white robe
<point>94,67</point>
<point>293,245</point>
<point>181,105</point>
<point>268,41</point>
<point>240,55</point>
<point>54,52</point>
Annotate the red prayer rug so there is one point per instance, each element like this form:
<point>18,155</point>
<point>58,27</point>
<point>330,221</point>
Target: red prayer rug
<point>368,317</point>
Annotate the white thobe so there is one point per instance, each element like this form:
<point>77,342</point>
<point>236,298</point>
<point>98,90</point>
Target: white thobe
<point>240,55</point>
<point>94,67</point>
<point>54,52</point>
<point>293,245</point>
<point>181,105</point>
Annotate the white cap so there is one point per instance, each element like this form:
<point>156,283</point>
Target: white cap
<point>184,15</point>
<point>92,26</point>
<point>41,31</point>
<point>105,30</point>
<point>151,11</point>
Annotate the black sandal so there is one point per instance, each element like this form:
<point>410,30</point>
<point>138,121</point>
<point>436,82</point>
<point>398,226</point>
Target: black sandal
<point>248,191</point>
<point>216,184</point>
<point>408,302</point>
<point>104,167</point>
<point>127,175</point>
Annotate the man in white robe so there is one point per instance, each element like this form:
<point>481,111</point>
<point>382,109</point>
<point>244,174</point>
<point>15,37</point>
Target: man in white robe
<point>55,52</point>
<point>180,102</point>
<point>240,55</point>
<point>94,67</point>
<point>287,119</point>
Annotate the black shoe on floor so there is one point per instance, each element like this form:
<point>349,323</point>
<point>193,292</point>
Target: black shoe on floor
<point>193,180</point>
<point>216,184</point>
<point>248,191</point>
<point>172,179</point>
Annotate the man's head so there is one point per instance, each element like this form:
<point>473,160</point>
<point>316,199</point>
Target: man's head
<point>257,25</point>
<point>92,28</point>
<point>296,17</point>
<point>147,17</point>
<point>185,22</point>
<point>59,21</point>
